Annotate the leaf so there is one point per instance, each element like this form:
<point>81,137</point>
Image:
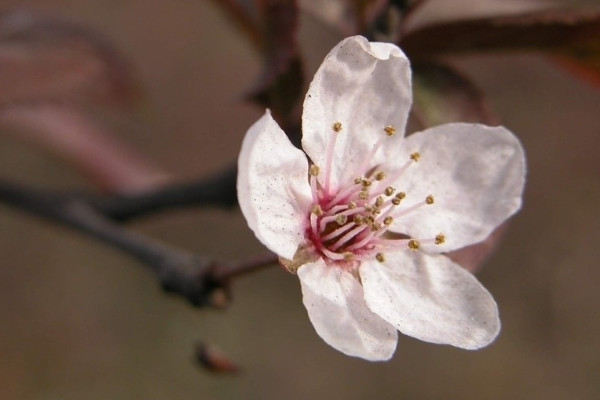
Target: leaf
<point>279,86</point>
<point>44,59</point>
<point>567,34</point>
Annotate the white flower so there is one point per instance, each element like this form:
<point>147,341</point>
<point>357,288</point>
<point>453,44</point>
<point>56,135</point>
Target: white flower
<point>365,220</point>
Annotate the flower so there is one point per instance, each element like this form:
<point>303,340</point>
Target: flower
<point>364,223</point>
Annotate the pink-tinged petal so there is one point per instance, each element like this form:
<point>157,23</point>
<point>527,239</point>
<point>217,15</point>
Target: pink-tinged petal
<point>272,186</point>
<point>336,307</point>
<point>476,176</point>
<point>365,86</point>
<point>431,298</point>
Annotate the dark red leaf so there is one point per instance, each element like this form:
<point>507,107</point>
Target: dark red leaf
<point>45,59</point>
<point>280,84</point>
<point>571,35</point>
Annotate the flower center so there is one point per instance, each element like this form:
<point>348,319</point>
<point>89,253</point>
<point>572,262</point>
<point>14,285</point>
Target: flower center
<point>351,223</point>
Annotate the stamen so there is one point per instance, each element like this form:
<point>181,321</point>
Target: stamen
<point>337,127</point>
<point>389,220</point>
<point>317,210</point>
<point>337,232</point>
<point>341,219</point>
<point>414,244</point>
<point>398,198</point>
<point>416,156</point>
<point>313,222</point>
<point>379,176</point>
<point>380,257</point>
<point>334,256</point>
<point>429,200</point>
<point>314,188</point>
<point>314,170</point>
<point>379,201</point>
<point>389,191</point>
<point>412,208</point>
<point>390,130</point>
<point>345,193</point>
<point>330,218</point>
<point>362,242</point>
<point>440,239</point>
<point>344,239</point>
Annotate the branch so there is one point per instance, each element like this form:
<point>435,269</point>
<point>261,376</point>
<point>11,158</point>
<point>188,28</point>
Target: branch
<point>201,281</point>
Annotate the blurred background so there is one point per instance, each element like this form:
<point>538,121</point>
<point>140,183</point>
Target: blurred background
<point>83,321</point>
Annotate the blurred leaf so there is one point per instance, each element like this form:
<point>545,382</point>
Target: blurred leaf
<point>442,95</point>
<point>351,17</point>
<point>279,86</point>
<point>44,59</point>
<point>81,140</point>
<point>571,35</point>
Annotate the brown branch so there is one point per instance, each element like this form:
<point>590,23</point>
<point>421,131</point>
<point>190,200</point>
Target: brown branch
<point>200,280</point>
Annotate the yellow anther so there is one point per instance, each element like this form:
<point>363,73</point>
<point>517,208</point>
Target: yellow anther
<point>376,226</point>
<point>414,244</point>
<point>390,130</point>
<point>396,201</point>
<point>388,220</point>
<point>440,239</point>
<point>314,170</point>
<point>337,127</point>
<point>380,257</point>
<point>400,195</point>
<point>376,211</point>
<point>358,219</point>
<point>348,256</point>
<point>363,195</point>
<point>366,183</point>
<point>379,176</point>
<point>358,180</point>
<point>389,191</point>
<point>429,200</point>
<point>379,201</point>
<point>352,204</point>
<point>317,210</point>
<point>416,156</point>
<point>341,219</point>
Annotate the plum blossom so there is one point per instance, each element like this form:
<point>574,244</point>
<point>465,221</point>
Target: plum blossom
<point>365,219</point>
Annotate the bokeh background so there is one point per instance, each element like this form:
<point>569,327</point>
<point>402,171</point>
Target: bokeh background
<point>83,321</point>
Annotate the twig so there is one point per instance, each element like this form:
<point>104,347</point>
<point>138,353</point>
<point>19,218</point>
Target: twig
<point>218,190</point>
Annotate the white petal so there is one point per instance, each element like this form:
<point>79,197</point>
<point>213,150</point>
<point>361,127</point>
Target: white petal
<point>431,298</point>
<point>365,86</point>
<point>337,310</point>
<point>476,175</point>
<point>272,187</point>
